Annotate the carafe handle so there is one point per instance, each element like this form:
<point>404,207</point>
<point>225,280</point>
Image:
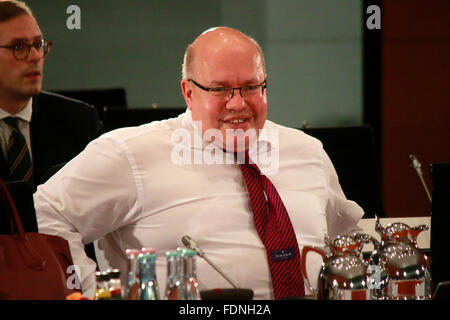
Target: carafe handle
<point>305,251</point>
<point>410,235</point>
<point>366,239</point>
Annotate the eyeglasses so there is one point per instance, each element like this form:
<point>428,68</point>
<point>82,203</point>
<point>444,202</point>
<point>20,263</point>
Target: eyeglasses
<point>21,51</point>
<point>228,93</point>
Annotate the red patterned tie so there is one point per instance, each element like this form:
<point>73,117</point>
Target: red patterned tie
<point>276,232</point>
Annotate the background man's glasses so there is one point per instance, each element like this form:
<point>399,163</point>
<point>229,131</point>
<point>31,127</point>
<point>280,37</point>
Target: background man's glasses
<point>21,51</point>
<point>228,93</point>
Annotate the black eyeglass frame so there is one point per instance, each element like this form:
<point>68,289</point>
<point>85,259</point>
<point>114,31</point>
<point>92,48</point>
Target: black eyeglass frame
<point>224,89</point>
<point>45,45</point>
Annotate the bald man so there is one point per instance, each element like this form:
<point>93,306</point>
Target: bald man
<point>149,186</point>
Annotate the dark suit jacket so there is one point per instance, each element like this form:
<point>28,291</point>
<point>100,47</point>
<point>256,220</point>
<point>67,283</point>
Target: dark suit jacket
<point>60,128</point>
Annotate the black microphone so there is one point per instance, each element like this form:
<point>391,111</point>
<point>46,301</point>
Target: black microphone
<point>416,165</point>
<point>217,294</point>
<point>191,244</point>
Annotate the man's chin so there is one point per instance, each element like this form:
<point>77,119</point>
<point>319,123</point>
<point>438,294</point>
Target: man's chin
<point>31,91</point>
<point>239,144</point>
<point>239,140</point>
<point>36,92</point>
<point>236,148</point>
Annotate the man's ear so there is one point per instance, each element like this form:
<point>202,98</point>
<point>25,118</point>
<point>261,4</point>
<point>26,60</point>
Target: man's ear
<point>186,88</point>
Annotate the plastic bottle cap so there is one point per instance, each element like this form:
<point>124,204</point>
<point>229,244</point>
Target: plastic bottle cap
<point>132,252</point>
<point>173,254</point>
<point>189,252</point>
<point>148,250</point>
<point>113,273</point>
<point>102,276</point>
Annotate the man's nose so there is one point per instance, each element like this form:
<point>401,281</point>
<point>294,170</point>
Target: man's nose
<point>35,54</point>
<point>236,102</point>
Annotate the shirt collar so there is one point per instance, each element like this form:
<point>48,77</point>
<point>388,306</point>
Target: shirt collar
<point>24,114</point>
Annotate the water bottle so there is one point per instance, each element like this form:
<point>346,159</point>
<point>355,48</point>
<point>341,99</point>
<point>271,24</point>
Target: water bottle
<point>102,289</point>
<point>115,286</point>
<point>133,285</point>
<point>190,282</point>
<point>147,267</point>
<point>174,286</point>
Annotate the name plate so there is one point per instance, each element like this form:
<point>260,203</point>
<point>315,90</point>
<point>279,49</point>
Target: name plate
<point>285,254</point>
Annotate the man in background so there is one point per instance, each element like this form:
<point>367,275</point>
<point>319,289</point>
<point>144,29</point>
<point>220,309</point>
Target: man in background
<point>38,130</point>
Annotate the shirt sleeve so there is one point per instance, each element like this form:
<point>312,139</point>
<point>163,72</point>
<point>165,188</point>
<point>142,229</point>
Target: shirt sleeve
<point>94,194</point>
<point>342,214</point>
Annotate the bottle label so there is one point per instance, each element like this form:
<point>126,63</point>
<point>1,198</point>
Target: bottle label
<point>348,294</point>
<point>406,288</point>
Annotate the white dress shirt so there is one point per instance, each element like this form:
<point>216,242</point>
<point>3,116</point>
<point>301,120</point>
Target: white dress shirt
<point>126,190</point>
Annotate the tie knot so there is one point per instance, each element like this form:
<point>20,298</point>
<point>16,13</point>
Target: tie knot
<point>253,167</point>
<point>248,164</point>
<point>12,122</point>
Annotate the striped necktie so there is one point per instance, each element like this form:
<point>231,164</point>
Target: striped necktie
<point>276,232</point>
<point>18,156</point>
